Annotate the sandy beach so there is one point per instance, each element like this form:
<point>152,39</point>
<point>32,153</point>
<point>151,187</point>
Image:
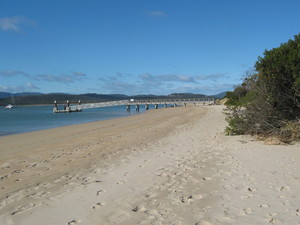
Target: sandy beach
<point>168,166</point>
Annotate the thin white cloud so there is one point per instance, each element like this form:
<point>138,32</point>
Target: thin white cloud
<point>19,88</point>
<point>208,89</point>
<point>156,13</point>
<point>149,78</point>
<point>56,78</point>
<point>31,86</point>
<point>67,78</point>
<point>210,77</point>
<point>176,78</point>
<point>10,73</point>
<point>120,87</point>
<point>14,23</point>
<point>167,78</point>
<point>148,83</point>
<point>79,74</point>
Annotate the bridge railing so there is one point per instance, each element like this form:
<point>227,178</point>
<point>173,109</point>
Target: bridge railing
<point>171,101</point>
<point>98,105</point>
<point>79,107</point>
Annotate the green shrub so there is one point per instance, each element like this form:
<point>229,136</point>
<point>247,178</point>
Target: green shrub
<point>267,103</point>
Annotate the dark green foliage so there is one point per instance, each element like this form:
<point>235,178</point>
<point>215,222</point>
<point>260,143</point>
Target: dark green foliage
<point>279,70</point>
<point>236,124</point>
<point>235,98</point>
<point>268,101</point>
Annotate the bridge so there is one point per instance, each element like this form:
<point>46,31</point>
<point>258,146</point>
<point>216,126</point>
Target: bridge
<point>128,103</point>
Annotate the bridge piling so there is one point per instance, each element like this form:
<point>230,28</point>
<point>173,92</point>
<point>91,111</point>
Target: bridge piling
<point>55,109</point>
<point>68,106</point>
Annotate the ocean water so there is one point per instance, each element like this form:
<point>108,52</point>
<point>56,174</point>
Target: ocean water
<point>31,118</point>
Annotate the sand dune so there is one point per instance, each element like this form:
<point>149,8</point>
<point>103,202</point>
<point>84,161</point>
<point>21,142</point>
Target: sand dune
<point>167,166</point>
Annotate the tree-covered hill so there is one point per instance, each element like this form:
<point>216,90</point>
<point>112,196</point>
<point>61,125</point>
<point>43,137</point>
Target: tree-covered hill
<point>61,98</point>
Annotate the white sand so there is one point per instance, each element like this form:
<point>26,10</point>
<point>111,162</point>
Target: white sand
<point>168,166</point>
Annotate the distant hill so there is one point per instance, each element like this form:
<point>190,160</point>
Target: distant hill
<point>8,94</point>
<point>33,98</point>
<point>220,95</point>
<point>5,94</point>
<point>60,99</point>
<point>186,95</point>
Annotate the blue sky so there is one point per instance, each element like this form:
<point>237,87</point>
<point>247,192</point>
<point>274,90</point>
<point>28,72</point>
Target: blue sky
<point>137,46</point>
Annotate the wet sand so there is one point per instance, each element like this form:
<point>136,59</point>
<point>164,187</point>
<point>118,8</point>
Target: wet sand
<point>167,166</point>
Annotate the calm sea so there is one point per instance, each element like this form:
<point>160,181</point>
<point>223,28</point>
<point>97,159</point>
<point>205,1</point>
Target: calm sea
<point>31,118</point>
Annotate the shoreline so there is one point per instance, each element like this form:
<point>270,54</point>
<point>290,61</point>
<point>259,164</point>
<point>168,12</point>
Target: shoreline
<point>81,120</point>
<point>167,166</point>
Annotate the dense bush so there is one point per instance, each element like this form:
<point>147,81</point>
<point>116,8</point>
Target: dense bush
<point>268,101</point>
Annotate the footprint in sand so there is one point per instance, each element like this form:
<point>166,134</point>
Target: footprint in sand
<point>88,180</point>
<point>121,182</point>
<point>207,178</point>
<point>4,177</point>
<point>284,188</point>
<point>17,171</point>
<point>246,196</point>
<point>99,204</point>
<point>139,208</point>
<point>202,223</point>
<point>264,206</point>
<point>247,211</point>
<point>32,165</point>
<point>22,208</point>
<point>199,197</point>
<point>251,189</point>
<point>187,200</point>
<point>100,192</point>
<point>73,222</point>
<point>274,221</point>
<point>207,209</point>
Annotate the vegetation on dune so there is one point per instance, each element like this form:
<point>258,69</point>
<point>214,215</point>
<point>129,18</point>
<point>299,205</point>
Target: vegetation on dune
<point>267,103</point>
